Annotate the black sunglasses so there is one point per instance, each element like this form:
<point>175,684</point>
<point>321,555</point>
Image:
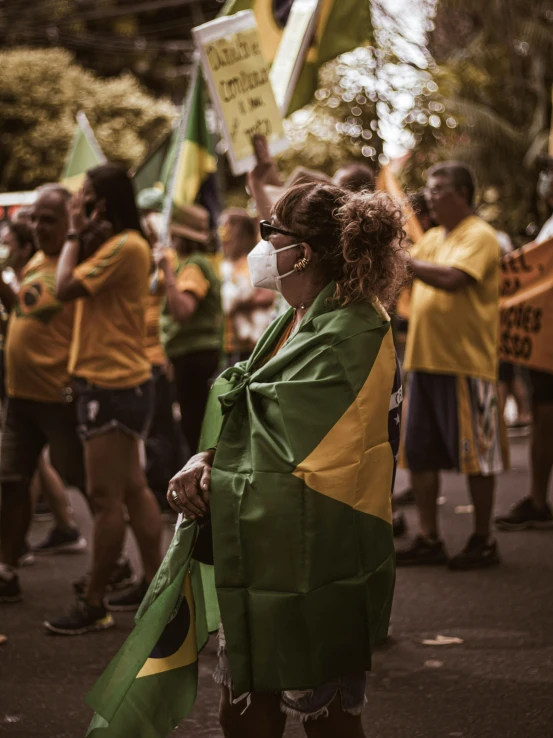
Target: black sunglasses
<point>266,229</point>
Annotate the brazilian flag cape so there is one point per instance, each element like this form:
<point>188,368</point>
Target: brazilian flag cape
<point>306,439</point>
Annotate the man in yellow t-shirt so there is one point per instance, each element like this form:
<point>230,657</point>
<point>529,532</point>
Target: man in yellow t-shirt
<point>37,412</point>
<point>453,413</point>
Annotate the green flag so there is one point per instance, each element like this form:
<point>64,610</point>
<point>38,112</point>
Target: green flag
<point>151,683</point>
<point>85,153</point>
<point>301,484</point>
<point>343,25</point>
<point>195,161</point>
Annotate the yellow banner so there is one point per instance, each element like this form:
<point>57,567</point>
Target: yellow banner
<point>526,333</point>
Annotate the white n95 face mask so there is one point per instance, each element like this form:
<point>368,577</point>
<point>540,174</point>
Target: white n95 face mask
<point>262,263</point>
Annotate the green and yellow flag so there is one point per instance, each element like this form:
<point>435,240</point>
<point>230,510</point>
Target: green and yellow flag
<point>343,25</point>
<point>307,440</point>
<point>85,153</point>
<point>151,684</point>
<point>196,162</point>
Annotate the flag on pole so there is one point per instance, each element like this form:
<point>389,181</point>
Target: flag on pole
<point>342,26</point>
<point>151,684</point>
<point>85,153</point>
<point>195,160</point>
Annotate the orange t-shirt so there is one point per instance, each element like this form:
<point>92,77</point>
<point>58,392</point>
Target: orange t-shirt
<point>39,335</point>
<point>110,325</point>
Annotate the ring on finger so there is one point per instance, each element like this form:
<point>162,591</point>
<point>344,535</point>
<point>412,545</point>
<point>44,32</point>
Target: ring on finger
<point>175,496</point>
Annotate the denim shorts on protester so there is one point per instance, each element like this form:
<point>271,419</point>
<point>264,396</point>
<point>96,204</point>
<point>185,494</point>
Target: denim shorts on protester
<point>303,704</point>
<point>100,409</point>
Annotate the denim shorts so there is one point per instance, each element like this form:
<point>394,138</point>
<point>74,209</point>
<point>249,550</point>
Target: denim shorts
<point>304,704</point>
<point>100,409</point>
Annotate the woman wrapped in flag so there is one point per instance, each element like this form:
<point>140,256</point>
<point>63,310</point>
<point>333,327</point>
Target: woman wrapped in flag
<point>301,453</point>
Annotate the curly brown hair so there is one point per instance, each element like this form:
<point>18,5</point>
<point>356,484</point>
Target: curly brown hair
<point>358,236</point>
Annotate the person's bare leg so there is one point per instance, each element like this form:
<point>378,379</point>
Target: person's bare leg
<point>107,458</point>
<point>15,519</point>
<point>541,453</point>
<point>262,718</point>
<point>502,395</point>
<point>426,486</point>
<point>144,515</point>
<point>520,393</point>
<point>482,491</point>
<point>53,489</point>
<point>336,723</point>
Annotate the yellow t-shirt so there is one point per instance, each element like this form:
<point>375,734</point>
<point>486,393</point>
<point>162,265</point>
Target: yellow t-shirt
<point>110,326</point>
<point>39,335</point>
<point>154,349</point>
<point>457,332</point>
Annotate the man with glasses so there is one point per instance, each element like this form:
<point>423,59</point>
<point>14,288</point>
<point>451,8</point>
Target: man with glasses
<point>453,417</point>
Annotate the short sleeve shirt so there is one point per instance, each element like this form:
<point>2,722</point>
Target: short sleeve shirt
<point>39,335</point>
<point>109,347</point>
<point>457,332</point>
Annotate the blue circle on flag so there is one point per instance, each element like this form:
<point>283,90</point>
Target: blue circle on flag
<point>175,633</point>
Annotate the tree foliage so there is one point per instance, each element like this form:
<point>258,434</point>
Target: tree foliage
<point>40,93</point>
<point>148,38</point>
<point>499,57</point>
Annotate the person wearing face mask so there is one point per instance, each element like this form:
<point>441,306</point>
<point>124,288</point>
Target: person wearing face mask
<point>301,446</point>
<point>533,511</point>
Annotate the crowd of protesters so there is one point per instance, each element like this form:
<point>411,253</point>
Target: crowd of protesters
<point>110,341</point>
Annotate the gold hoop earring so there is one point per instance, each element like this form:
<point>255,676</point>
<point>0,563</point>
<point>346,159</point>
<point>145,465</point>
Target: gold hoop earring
<point>301,265</point>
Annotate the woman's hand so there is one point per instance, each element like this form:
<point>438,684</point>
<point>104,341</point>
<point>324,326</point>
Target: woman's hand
<point>160,256</point>
<point>189,489</point>
<point>265,170</point>
<point>78,222</point>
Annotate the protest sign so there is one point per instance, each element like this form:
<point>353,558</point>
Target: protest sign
<point>238,80</point>
<point>526,333</point>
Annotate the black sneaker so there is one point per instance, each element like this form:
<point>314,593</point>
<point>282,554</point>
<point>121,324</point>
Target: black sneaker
<point>525,515</point>
<point>82,618</point>
<point>122,577</point>
<point>128,601</point>
<point>479,553</point>
<point>422,552</point>
<point>399,524</point>
<point>10,591</point>
<point>61,541</point>
<point>407,497</point>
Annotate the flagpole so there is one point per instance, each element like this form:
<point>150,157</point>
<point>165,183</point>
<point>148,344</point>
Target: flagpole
<point>167,210</point>
<point>86,128</point>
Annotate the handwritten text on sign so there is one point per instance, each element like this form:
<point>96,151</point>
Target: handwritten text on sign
<point>526,337</point>
<point>241,78</point>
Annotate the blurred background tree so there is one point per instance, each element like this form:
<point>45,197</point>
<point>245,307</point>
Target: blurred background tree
<point>498,56</point>
<point>148,38</point>
<point>40,93</point>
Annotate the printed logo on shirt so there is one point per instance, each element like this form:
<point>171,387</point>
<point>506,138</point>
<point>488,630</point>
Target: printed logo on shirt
<point>37,299</point>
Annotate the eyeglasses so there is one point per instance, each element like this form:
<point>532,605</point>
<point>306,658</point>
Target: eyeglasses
<point>266,229</point>
<point>438,190</point>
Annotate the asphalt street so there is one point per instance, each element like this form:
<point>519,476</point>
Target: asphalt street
<point>494,681</point>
